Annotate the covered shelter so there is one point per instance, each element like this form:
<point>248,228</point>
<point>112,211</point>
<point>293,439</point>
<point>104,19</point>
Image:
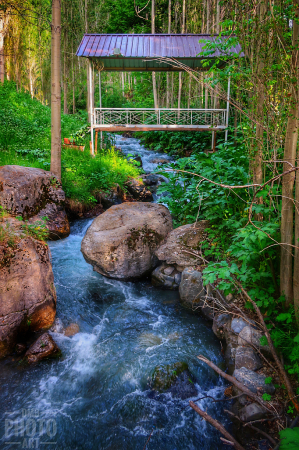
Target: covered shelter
<point>151,53</point>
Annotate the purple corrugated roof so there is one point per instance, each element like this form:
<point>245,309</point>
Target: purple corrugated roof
<point>145,45</point>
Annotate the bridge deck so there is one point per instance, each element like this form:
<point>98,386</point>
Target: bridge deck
<point>159,119</point>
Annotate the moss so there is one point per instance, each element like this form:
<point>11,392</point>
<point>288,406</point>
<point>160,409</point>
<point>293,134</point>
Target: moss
<point>164,376</point>
<point>146,235</point>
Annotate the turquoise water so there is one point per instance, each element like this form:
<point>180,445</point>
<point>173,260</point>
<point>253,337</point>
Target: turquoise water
<point>96,396</point>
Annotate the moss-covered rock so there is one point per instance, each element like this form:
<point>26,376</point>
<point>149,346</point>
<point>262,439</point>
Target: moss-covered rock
<point>164,376</point>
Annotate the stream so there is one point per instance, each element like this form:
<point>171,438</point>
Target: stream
<point>96,396</point>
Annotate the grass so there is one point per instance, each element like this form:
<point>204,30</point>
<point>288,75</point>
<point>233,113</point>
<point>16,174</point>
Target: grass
<point>25,140</point>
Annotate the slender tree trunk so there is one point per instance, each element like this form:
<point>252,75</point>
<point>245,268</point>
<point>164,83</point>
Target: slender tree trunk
<point>168,75</point>
<point>56,89</point>
<point>208,16</point>
<point>218,17</point>
<point>296,259</point>
<point>153,73</point>
<point>287,208</point>
<point>65,111</point>
<point>87,63</point>
<point>180,73</point>
<point>73,79</point>
<point>2,62</point>
<point>189,92</point>
<point>123,83</point>
<point>258,157</point>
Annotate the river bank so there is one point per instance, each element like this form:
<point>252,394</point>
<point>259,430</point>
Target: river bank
<point>124,331</point>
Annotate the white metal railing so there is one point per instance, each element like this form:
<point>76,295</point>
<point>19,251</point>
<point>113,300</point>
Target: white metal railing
<point>160,116</point>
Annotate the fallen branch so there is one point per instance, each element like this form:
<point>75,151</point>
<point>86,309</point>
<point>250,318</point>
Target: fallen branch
<point>216,425</point>
<point>273,351</point>
<point>235,382</point>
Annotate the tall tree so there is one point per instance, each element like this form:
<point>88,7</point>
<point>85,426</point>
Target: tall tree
<point>153,16</point>
<point>168,75</point>
<point>3,27</point>
<point>180,73</point>
<point>55,89</point>
<point>258,156</point>
<point>290,146</point>
<point>287,278</point>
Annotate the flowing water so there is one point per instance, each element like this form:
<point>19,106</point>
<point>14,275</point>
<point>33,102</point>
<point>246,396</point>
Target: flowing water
<point>96,396</point>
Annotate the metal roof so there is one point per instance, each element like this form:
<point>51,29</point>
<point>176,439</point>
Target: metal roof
<point>138,52</point>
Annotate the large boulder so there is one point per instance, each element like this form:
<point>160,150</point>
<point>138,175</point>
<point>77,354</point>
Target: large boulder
<point>176,248</point>
<point>27,292</point>
<point>121,242</point>
<point>34,193</point>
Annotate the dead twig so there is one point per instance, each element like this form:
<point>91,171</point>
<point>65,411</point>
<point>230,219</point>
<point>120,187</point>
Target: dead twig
<point>235,382</point>
<point>272,349</point>
<point>216,425</point>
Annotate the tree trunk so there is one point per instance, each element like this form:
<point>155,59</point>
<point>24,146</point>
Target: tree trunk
<point>2,66</point>
<point>208,16</point>
<point>65,111</point>
<point>123,83</point>
<point>258,157</point>
<point>167,75</point>
<point>180,73</point>
<point>218,17</point>
<point>287,208</point>
<point>153,73</point>
<point>55,89</point>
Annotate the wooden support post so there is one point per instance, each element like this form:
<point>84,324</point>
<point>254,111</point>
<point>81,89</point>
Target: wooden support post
<point>96,143</point>
<point>91,106</point>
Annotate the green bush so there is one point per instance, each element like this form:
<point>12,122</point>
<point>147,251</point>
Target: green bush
<point>25,140</point>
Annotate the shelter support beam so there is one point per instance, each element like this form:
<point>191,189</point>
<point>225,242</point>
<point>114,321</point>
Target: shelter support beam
<point>91,105</point>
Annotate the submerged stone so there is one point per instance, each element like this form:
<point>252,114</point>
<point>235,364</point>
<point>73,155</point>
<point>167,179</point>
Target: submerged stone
<point>164,376</point>
<point>44,347</point>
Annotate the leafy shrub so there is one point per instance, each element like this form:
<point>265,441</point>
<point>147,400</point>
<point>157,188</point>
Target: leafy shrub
<point>28,144</point>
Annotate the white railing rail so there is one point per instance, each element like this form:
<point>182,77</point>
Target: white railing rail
<point>160,116</point>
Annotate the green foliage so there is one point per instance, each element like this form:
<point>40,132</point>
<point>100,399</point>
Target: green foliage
<point>38,229</point>
<point>175,143</point>
<point>290,439</point>
<point>82,174</point>
<point>8,235</point>
<point>236,249</point>
<point>266,397</point>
